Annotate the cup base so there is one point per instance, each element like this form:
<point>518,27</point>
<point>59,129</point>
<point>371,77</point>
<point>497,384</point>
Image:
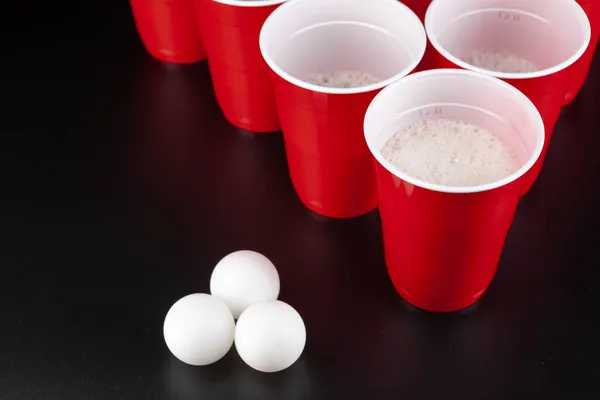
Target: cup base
<point>241,121</point>
<point>250,129</point>
<point>568,100</point>
<point>440,308</point>
<point>174,59</point>
<point>323,213</point>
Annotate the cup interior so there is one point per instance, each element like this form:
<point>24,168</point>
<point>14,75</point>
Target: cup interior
<point>460,95</point>
<point>382,38</point>
<point>547,33</point>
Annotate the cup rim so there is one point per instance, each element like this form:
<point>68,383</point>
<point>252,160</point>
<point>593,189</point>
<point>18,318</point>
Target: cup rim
<point>246,3</point>
<point>332,90</point>
<point>532,110</point>
<point>510,75</point>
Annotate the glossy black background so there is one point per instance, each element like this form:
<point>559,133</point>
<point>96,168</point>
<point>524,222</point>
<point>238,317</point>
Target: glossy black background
<point>122,185</point>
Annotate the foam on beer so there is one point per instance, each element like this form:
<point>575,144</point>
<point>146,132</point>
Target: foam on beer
<point>500,61</point>
<point>342,79</point>
<point>450,153</point>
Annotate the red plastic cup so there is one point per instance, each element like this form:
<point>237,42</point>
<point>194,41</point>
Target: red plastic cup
<point>582,67</point>
<point>329,163</point>
<point>241,79</point>
<point>442,244</point>
<point>168,29</point>
<point>552,34</point>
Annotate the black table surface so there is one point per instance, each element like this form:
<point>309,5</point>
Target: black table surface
<point>122,186</point>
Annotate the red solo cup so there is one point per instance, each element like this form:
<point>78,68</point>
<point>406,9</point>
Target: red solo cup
<point>241,79</point>
<point>582,67</point>
<point>552,34</point>
<point>168,29</point>
<point>329,163</point>
<point>442,244</point>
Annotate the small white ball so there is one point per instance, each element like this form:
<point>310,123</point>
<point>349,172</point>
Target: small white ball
<point>244,278</point>
<point>270,336</point>
<point>199,329</point>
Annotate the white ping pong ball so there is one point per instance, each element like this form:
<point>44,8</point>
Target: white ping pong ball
<point>199,329</point>
<point>244,278</point>
<point>270,336</point>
